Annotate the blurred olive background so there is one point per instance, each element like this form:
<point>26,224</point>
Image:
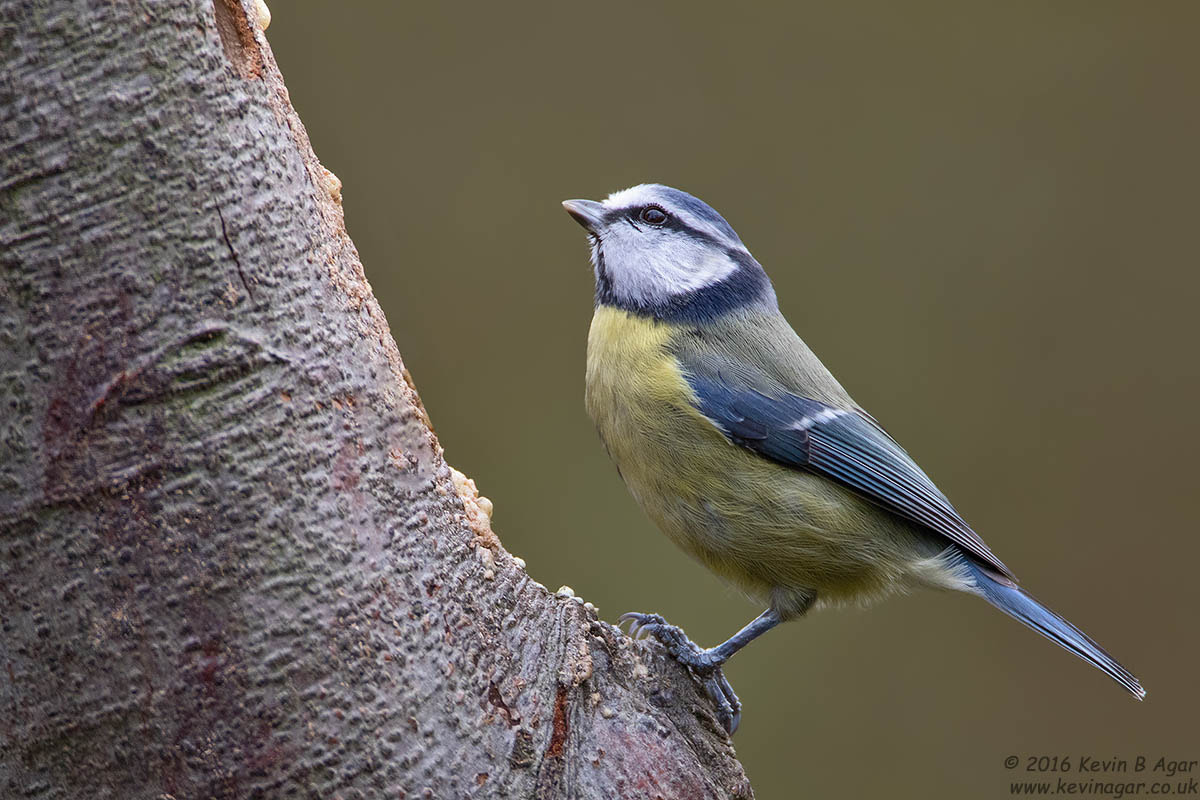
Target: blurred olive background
<point>983,217</point>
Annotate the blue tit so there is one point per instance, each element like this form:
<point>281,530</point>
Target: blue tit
<point>743,448</point>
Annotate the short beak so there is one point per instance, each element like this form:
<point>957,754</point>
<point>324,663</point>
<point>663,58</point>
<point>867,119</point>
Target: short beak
<point>587,213</point>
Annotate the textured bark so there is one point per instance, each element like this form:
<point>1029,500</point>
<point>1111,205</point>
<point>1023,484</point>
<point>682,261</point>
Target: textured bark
<point>233,562</point>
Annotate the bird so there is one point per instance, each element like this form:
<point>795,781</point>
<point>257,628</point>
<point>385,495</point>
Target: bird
<point>748,454</point>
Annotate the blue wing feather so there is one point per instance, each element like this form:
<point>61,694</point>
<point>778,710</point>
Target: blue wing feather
<point>846,446</point>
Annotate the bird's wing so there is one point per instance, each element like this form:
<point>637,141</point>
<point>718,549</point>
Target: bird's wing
<point>844,445</point>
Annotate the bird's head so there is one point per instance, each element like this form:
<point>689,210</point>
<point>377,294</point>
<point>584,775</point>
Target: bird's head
<point>661,252</point>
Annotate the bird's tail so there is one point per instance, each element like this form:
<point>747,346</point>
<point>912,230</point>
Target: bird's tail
<point>1014,601</point>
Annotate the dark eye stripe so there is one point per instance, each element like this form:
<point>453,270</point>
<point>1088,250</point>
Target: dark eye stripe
<point>673,222</point>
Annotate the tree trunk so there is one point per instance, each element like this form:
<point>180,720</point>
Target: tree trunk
<point>233,562</point>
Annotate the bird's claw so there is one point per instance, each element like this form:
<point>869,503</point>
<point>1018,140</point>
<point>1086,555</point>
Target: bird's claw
<point>702,663</point>
<point>729,708</point>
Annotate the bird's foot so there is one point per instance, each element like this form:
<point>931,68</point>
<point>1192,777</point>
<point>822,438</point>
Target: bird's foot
<point>705,664</point>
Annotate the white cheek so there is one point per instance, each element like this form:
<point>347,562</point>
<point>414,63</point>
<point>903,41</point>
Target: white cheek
<point>685,266</point>
<point>649,266</point>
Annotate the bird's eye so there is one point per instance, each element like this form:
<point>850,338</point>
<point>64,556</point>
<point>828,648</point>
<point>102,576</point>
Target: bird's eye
<point>652,215</point>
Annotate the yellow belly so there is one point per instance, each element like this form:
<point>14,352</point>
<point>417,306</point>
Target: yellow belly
<point>775,531</point>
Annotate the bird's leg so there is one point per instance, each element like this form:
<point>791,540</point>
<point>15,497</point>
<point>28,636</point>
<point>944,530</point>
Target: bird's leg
<point>705,664</point>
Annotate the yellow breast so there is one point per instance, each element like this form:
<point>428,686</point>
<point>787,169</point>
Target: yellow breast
<point>639,399</point>
<point>675,463</point>
<point>629,366</point>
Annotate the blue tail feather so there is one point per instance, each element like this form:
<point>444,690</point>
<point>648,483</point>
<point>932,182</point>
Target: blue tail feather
<point>1014,601</point>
